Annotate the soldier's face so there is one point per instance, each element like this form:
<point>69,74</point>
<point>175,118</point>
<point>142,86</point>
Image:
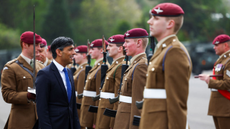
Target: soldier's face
<point>78,58</point>
<point>219,49</point>
<point>157,26</point>
<point>112,50</point>
<point>95,52</point>
<point>67,55</point>
<point>130,46</point>
<point>30,49</point>
<point>43,54</point>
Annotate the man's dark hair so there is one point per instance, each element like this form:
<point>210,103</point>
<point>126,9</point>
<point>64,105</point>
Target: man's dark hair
<point>60,43</point>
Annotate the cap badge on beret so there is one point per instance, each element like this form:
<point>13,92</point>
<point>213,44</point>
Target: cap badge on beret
<point>77,50</point>
<point>127,34</point>
<point>217,42</point>
<point>112,39</point>
<point>158,10</point>
<point>91,45</point>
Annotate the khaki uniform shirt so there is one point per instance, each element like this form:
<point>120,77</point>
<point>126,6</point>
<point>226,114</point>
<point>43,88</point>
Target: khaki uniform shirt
<point>93,83</point>
<point>132,86</point>
<point>220,106</point>
<point>168,73</point>
<point>15,82</point>
<point>79,82</point>
<point>111,84</point>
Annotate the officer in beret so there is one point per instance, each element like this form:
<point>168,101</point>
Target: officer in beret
<point>92,86</point>
<point>79,76</point>
<point>43,53</point>
<point>112,80</point>
<point>17,76</point>
<point>219,101</point>
<point>169,70</point>
<point>134,78</point>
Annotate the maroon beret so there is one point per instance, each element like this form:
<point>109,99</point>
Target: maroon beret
<point>167,10</point>
<point>117,39</point>
<point>43,43</point>
<point>28,37</point>
<point>221,39</point>
<point>97,43</point>
<point>49,48</point>
<point>81,49</point>
<point>136,33</point>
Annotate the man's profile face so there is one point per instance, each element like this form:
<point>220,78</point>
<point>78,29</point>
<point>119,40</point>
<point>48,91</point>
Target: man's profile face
<point>67,55</point>
<point>157,26</point>
<point>43,54</point>
<point>219,48</point>
<point>130,46</point>
<point>112,49</point>
<point>94,52</point>
<point>78,58</point>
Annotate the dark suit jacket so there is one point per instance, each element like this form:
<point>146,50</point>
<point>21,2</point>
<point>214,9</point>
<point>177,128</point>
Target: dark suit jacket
<point>54,110</point>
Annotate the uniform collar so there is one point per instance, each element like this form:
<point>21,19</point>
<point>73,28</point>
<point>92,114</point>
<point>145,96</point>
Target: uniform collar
<point>46,62</point>
<point>82,65</point>
<point>164,39</point>
<point>134,58</point>
<point>97,61</point>
<point>118,59</point>
<point>28,60</point>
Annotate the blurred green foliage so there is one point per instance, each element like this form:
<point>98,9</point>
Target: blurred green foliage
<point>90,19</point>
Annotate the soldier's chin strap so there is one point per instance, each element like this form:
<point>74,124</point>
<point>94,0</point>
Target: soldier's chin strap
<point>225,93</point>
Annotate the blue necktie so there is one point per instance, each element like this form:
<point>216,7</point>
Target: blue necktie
<point>67,84</point>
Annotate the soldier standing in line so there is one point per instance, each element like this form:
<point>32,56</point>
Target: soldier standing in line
<point>220,85</point>
<point>79,77</point>
<point>133,83</point>
<point>112,80</point>
<point>43,53</point>
<point>169,70</point>
<point>93,83</point>
<point>17,76</point>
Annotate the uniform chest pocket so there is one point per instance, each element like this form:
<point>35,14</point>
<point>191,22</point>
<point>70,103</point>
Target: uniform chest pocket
<point>155,77</point>
<point>127,85</point>
<point>91,86</point>
<point>23,82</point>
<point>109,84</point>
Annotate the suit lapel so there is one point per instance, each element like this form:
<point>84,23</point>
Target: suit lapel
<point>58,78</point>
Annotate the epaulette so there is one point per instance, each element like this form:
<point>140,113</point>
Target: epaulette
<point>11,61</point>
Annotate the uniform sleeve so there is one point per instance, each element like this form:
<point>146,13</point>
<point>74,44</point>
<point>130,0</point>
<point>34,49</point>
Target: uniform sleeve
<point>117,79</point>
<point>9,88</point>
<point>42,91</point>
<point>138,84</point>
<point>224,83</point>
<point>177,73</point>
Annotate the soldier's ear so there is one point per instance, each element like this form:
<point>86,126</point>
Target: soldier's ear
<point>171,24</point>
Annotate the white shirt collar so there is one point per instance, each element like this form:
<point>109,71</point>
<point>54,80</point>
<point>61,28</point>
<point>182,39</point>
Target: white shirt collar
<point>28,60</point>
<point>59,67</point>
<point>163,40</point>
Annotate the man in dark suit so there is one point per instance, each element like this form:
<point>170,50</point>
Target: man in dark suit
<point>56,101</point>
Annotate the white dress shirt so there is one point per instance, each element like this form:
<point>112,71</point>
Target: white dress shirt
<point>62,73</point>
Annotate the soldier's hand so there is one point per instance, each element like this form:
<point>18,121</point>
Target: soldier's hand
<point>204,77</point>
<point>31,96</point>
